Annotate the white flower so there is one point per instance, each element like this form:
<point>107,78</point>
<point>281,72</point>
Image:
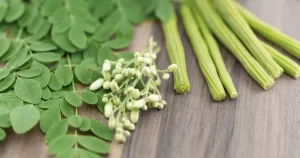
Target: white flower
<point>139,103</point>
<point>153,56</point>
<point>118,77</point>
<point>104,99</point>
<point>146,71</point>
<point>137,54</point>
<point>153,71</point>
<point>108,109</point>
<point>97,84</point>
<point>106,66</point>
<point>136,94</point>
<point>125,72</point>
<point>154,98</point>
<point>148,60</point>
<point>116,101</point>
<point>157,82</point>
<point>132,71</point>
<point>114,86</point>
<point>112,122</point>
<point>166,76</point>
<point>106,85</point>
<point>134,115</point>
<point>147,55</point>
<point>140,59</point>
<point>172,67</point>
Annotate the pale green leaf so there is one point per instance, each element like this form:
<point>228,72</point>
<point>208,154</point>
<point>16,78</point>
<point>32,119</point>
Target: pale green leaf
<point>49,118</point>
<point>119,43</point>
<point>77,37</point>
<point>28,73</point>
<point>7,82</point>
<point>93,144</point>
<point>75,121</point>
<point>101,130</point>
<point>4,114</point>
<point>4,72</point>
<point>29,15</point>
<point>104,33</point>
<point>49,7</point>
<point>12,100</point>
<point>86,124</point>
<point>59,15</point>
<point>15,10</point>
<point>44,78</point>
<point>43,30</point>
<point>42,46</point>
<point>28,90</point>
<point>64,75</point>
<point>54,83</point>
<point>61,144</point>
<point>87,154</point>
<point>4,43</point>
<point>89,63</point>
<point>12,51</point>
<point>58,94</point>
<point>89,97</point>
<point>3,10</point>
<point>90,51</point>
<point>73,99</point>
<point>47,57</point>
<point>24,118</point>
<point>66,109</point>
<point>67,153</point>
<point>18,61</point>
<point>83,74</point>
<point>46,93</point>
<point>62,41</point>
<point>49,103</point>
<point>103,54</point>
<point>58,129</point>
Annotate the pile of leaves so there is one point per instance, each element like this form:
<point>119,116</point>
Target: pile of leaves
<point>50,46</point>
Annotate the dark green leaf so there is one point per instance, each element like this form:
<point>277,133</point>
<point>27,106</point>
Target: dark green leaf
<point>49,118</point>
<point>4,42</point>
<point>42,46</point>
<point>77,37</point>
<point>58,129</point>
<point>86,124</point>
<point>75,121</point>
<point>28,73</point>
<point>49,103</point>
<point>93,144</point>
<point>61,144</point>
<point>83,74</point>
<point>58,94</point>
<point>4,72</point>
<point>54,83</point>
<point>24,118</point>
<point>66,109</point>
<point>2,134</point>
<point>100,130</point>
<point>44,78</point>
<point>28,90</point>
<point>73,99</point>
<point>64,75</point>
<point>46,93</point>
<point>7,82</point>
<point>15,10</point>
<point>89,97</point>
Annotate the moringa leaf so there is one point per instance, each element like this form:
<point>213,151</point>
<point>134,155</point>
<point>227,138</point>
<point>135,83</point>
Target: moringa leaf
<point>24,118</point>
<point>42,46</point>
<point>89,97</point>
<point>64,75</point>
<point>77,37</point>
<point>29,73</point>
<point>15,10</point>
<point>54,83</point>
<point>7,82</point>
<point>101,130</point>
<point>61,144</point>
<point>50,117</point>
<point>29,15</point>
<point>49,103</point>
<point>3,10</point>
<point>4,72</point>
<point>93,144</point>
<point>28,90</point>
<point>46,93</point>
<point>44,78</point>
<point>75,121</point>
<point>66,109</point>
<point>87,154</point>
<point>62,41</point>
<point>48,57</point>
<point>58,94</point>
<point>73,98</point>
<point>85,125</point>
<point>83,74</point>
<point>2,134</point>
<point>4,43</point>
<point>58,129</point>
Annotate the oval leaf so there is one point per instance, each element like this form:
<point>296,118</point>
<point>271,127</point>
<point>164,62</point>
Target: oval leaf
<point>61,144</point>
<point>64,75</point>
<point>77,37</point>
<point>44,78</point>
<point>4,44</point>
<point>49,103</point>
<point>73,99</point>
<point>58,129</point>
<point>83,74</point>
<point>28,73</point>
<point>49,118</point>
<point>54,83</point>
<point>47,57</point>
<point>93,144</point>
<point>46,93</point>
<point>89,97</point>
<point>4,73</point>
<point>43,46</point>
<point>66,109</point>
<point>86,124</point>
<point>15,11</point>
<point>28,90</point>
<point>7,82</point>
<point>100,130</point>
<point>75,121</point>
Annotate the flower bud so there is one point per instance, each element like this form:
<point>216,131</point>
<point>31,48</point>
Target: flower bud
<point>155,104</point>
<point>154,98</point>
<point>123,140</point>
<point>160,106</point>
<point>137,54</point>
<point>112,122</point>
<point>132,71</point>
<point>106,66</point>
<point>172,67</point>
<point>147,55</point>
<point>104,99</point>
<point>119,137</point>
<point>148,60</point>
<point>118,70</point>
<point>136,94</point>
<point>118,77</point>
<point>114,86</point>
<point>153,56</point>
<point>118,64</point>
<point>164,102</point>
<point>129,105</point>
<point>140,59</point>
<point>124,118</point>
<point>106,85</point>
<point>145,108</point>
<point>134,115</point>
<point>127,123</point>
<point>97,84</point>
<point>106,75</point>
<point>108,109</point>
<point>139,103</point>
<point>153,71</point>
<point>138,74</point>
<point>116,101</point>
<point>131,127</point>
<point>166,76</point>
<point>121,60</point>
<point>146,71</point>
<point>126,133</point>
<point>125,72</point>
<point>157,82</point>
<point>119,130</point>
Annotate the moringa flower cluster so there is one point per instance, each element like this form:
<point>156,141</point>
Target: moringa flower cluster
<point>132,87</point>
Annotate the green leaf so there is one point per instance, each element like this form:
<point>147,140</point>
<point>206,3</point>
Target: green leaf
<point>62,41</point>
<point>44,78</point>
<point>4,114</point>
<point>49,103</point>
<point>100,130</point>
<point>49,7</point>
<point>28,17</point>
<point>90,51</point>
<point>4,72</point>
<point>102,8</point>
<point>3,10</point>
<point>46,93</point>
<point>66,109</point>
<point>42,46</point>
<point>119,43</point>
<point>12,100</point>
<point>77,37</point>
<point>125,55</point>
<point>43,30</point>
<point>49,118</point>
<point>61,144</point>
<point>47,57</point>
<point>18,61</point>
<point>13,50</point>
<point>133,11</point>
<point>86,124</point>
<point>67,153</point>
<point>28,90</point>
<point>76,58</point>
<point>4,43</point>
<point>103,54</point>
<point>93,144</point>
<point>35,25</point>
<point>54,83</point>
<point>7,82</point>
<point>100,104</point>
<point>58,94</point>
<point>73,99</point>
<point>87,154</point>
<point>89,97</point>
<point>104,33</point>
<point>15,10</point>
<point>164,10</point>
<point>75,121</point>
<point>28,73</point>
<point>2,134</point>
<point>96,74</point>
<point>89,63</point>
<point>62,26</point>
<point>24,118</point>
<point>64,75</point>
<point>83,74</point>
<point>59,15</point>
<point>58,129</point>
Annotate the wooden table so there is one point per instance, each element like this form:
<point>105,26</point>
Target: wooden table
<point>258,124</point>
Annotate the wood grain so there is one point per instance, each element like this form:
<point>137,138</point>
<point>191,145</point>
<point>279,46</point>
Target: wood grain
<point>259,124</point>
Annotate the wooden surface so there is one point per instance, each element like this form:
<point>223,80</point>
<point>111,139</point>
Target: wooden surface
<point>258,124</point>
